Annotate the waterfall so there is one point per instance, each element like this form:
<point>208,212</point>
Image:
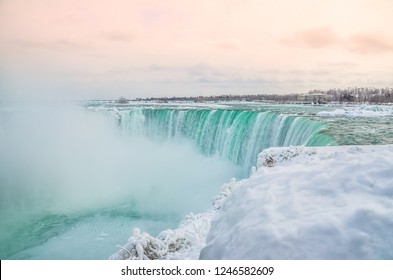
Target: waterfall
<point>236,135</point>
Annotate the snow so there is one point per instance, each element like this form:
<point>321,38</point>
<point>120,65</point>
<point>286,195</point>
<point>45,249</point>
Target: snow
<point>299,203</point>
<point>359,111</point>
<point>309,203</point>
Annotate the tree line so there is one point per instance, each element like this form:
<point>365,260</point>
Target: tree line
<point>348,95</point>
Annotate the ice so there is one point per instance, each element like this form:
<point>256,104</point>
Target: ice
<point>184,242</point>
<point>359,111</point>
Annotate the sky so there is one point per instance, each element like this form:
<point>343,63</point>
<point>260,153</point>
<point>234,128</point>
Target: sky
<point>104,49</point>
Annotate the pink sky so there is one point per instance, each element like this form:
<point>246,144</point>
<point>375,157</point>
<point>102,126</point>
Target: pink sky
<point>104,49</point>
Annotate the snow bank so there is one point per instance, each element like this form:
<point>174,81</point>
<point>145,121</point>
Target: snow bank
<point>309,203</point>
<point>359,111</point>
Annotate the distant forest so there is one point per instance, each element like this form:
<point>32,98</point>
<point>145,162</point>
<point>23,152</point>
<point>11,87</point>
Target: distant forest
<point>348,95</point>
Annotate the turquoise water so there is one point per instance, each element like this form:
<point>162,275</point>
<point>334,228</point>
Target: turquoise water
<point>74,182</point>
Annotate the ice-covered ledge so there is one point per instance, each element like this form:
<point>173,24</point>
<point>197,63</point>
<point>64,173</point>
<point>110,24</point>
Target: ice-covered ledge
<point>299,203</point>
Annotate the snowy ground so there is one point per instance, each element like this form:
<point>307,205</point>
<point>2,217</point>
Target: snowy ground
<point>300,203</point>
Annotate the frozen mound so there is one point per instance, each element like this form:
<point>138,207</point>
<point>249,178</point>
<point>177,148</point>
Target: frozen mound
<point>185,242</point>
<point>359,111</point>
<point>272,156</point>
<point>302,203</point>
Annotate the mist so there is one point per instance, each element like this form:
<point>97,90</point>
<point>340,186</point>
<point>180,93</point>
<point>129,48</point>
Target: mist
<point>64,159</point>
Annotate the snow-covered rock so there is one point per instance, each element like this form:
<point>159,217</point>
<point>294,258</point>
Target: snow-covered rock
<point>272,156</point>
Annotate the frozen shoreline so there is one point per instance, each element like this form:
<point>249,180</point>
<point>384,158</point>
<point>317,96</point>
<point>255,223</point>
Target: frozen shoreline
<point>300,203</point>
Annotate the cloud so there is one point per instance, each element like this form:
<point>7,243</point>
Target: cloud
<point>229,44</point>
<point>60,45</point>
<point>326,37</point>
<point>119,36</point>
<point>319,37</point>
<point>339,64</point>
<point>368,43</point>
<point>151,16</point>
